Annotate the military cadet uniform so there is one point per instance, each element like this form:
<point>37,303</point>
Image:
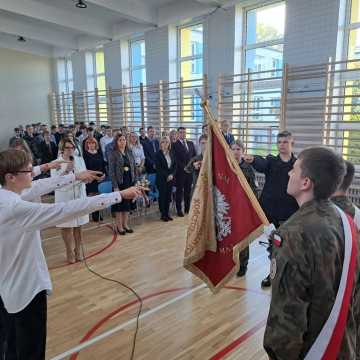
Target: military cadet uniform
<point>250,177</point>
<point>306,267</point>
<point>277,204</point>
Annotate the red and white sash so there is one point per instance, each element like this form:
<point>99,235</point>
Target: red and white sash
<point>328,342</point>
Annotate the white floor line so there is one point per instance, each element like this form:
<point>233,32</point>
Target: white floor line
<point>124,325</point>
<point>86,229</point>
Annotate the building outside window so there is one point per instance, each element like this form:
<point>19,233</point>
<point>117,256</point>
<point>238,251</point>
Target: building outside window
<point>137,77</point>
<point>263,55</point>
<point>137,62</point>
<point>65,75</point>
<point>190,67</point>
<point>95,79</point>
<point>65,85</point>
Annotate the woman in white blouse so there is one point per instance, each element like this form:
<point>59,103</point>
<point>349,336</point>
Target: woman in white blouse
<point>24,276</point>
<point>138,153</point>
<point>71,230</point>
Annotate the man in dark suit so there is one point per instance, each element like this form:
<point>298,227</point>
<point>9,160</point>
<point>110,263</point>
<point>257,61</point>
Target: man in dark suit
<point>142,136</point>
<point>225,129</point>
<point>184,151</point>
<point>48,149</point>
<point>151,147</point>
<point>30,139</point>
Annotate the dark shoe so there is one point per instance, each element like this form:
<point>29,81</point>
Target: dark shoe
<point>170,218</point>
<point>242,271</point>
<point>163,218</point>
<point>180,214</point>
<point>186,211</point>
<point>266,282</point>
<point>123,232</point>
<point>129,231</point>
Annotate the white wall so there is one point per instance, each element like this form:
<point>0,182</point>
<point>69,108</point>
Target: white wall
<point>112,57</point>
<point>79,70</point>
<point>26,81</point>
<point>311,31</point>
<point>219,40</point>
<point>310,38</point>
<point>157,55</point>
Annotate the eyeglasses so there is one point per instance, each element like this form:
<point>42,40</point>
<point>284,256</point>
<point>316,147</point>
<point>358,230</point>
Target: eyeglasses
<point>24,171</point>
<point>69,148</point>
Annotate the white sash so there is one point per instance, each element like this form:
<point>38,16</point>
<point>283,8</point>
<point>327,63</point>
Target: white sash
<point>328,342</point>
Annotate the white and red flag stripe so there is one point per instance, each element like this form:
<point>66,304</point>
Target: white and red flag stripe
<point>328,342</point>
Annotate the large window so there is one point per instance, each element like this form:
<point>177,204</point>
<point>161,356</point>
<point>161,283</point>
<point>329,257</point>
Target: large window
<point>264,37</point>
<point>95,70</point>
<point>191,52</point>
<point>137,62</point>
<point>351,87</point>
<point>263,57</point>
<point>65,75</point>
<point>190,70</point>
<point>95,79</point>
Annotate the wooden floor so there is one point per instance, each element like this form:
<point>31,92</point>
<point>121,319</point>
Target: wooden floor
<point>199,325</point>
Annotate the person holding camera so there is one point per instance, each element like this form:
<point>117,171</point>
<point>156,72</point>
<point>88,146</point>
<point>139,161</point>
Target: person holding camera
<point>71,230</point>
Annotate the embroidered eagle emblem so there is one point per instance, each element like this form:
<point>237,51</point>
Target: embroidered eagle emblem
<point>222,220</point>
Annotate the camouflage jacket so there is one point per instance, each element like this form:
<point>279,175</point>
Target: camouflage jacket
<point>306,268</point>
<point>249,173</point>
<point>344,203</point>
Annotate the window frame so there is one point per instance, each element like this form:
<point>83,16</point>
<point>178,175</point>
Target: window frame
<point>137,67</point>
<point>67,80</point>
<point>94,74</point>
<point>260,45</point>
<point>347,30</point>
<point>180,59</point>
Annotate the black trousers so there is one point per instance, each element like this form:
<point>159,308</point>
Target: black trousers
<point>183,191</point>
<point>23,334</point>
<point>244,257</point>
<point>165,191</point>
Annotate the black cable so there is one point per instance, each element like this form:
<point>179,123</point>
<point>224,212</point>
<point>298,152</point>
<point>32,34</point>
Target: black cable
<point>123,285</point>
<point>71,158</point>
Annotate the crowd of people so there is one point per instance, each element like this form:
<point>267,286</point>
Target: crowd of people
<point>306,249</point>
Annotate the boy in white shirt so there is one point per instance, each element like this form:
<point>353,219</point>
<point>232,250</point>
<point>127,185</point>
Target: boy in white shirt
<point>24,276</point>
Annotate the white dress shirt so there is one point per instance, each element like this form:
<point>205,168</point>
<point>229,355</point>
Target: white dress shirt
<point>103,142</point>
<point>23,269</point>
<point>77,190</point>
<point>138,153</point>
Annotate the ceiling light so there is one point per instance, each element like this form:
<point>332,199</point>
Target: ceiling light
<point>21,39</point>
<point>81,4</point>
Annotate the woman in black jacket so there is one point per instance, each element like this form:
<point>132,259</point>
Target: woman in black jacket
<point>165,172</point>
<point>94,161</point>
<point>122,175</point>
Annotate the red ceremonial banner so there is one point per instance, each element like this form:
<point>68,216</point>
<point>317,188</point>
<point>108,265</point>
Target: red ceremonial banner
<point>236,215</point>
